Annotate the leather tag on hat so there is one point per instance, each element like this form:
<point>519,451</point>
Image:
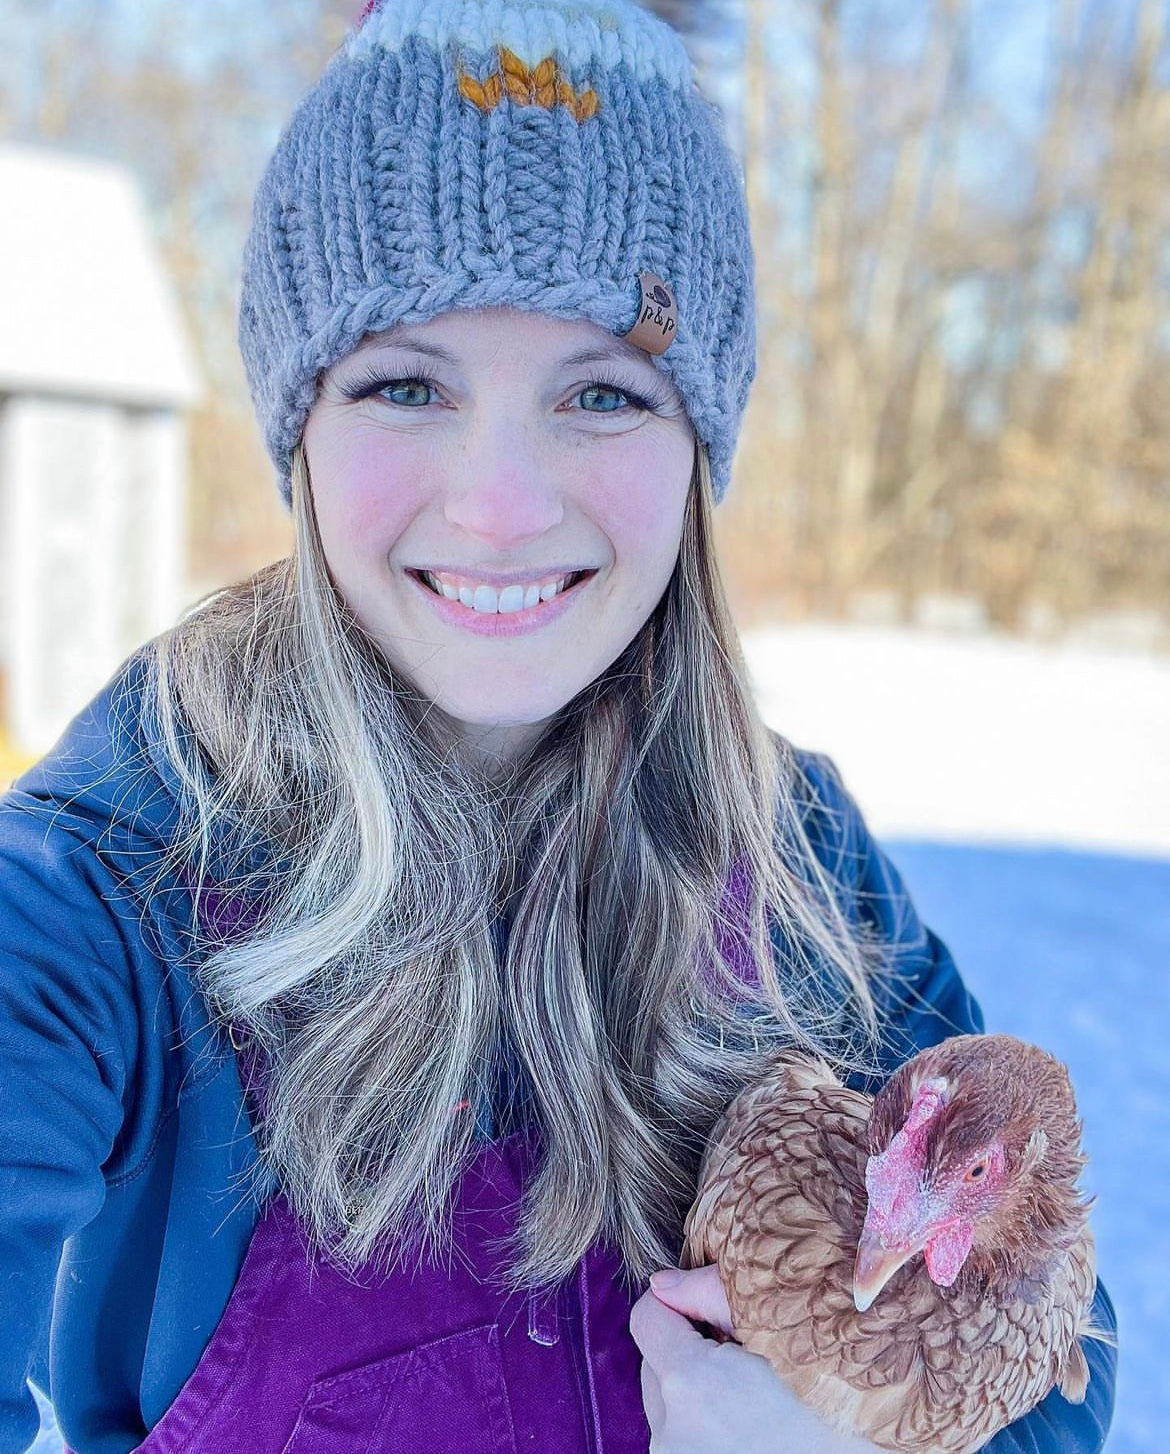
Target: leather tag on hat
<point>657,322</point>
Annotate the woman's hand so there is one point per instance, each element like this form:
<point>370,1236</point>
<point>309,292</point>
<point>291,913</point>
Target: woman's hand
<point>704,1397</point>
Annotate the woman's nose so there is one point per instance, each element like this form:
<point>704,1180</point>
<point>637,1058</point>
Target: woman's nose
<point>504,492</point>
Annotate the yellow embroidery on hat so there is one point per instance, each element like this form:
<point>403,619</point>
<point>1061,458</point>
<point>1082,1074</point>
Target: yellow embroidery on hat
<point>542,85</point>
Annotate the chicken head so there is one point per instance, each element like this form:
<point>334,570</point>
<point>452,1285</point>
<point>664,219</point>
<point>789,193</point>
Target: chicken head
<point>974,1144</point>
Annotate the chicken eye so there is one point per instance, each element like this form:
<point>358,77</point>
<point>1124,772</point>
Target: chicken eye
<point>976,1171</point>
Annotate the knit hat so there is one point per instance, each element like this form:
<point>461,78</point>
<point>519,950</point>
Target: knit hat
<point>554,155</point>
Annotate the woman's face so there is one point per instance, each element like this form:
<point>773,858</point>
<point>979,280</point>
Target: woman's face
<point>485,444</point>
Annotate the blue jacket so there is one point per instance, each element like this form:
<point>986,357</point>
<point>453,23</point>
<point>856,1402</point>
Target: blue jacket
<point>124,1139</point>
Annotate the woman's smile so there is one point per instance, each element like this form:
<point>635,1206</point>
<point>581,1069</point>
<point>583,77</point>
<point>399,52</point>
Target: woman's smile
<point>483,621</point>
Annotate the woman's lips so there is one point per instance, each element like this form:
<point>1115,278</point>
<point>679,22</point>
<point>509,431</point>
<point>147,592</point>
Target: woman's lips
<point>511,623</point>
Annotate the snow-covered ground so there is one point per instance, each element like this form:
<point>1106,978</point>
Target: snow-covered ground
<point>1069,950</point>
<point>979,738</point>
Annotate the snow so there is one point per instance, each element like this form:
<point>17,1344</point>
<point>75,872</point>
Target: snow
<point>1069,950</point>
<point>979,738</point>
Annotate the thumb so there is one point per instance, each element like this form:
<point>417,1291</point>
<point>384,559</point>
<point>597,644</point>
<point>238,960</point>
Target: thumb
<point>696,1292</point>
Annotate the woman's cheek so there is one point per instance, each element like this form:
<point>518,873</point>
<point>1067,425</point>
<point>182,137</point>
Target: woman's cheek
<point>643,515</point>
<point>373,502</point>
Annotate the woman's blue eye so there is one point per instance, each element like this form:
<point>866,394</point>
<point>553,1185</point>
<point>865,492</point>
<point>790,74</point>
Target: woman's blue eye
<point>394,384</point>
<point>371,385</point>
<point>649,403</point>
<point>609,389</point>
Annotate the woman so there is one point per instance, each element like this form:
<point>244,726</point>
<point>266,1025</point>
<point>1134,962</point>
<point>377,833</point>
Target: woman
<point>382,943</point>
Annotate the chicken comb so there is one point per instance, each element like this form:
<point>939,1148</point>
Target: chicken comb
<point>929,1099</point>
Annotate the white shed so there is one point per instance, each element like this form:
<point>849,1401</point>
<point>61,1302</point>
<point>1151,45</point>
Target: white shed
<point>95,375</point>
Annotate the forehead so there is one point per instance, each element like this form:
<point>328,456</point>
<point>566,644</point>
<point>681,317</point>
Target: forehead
<point>461,335</point>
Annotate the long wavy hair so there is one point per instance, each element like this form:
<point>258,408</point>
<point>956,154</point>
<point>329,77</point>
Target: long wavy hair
<point>369,977</point>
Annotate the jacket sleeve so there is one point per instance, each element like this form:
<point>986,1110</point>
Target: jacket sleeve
<point>67,1032</point>
<point>926,1001</point>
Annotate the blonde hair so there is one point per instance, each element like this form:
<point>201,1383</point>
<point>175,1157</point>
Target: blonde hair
<point>369,978</point>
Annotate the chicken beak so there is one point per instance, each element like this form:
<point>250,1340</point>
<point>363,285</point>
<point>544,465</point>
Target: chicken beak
<point>873,1267</point>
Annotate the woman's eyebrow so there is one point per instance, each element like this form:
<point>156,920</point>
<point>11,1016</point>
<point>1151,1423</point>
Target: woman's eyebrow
<point>602,353</point>
<point>595,353</point>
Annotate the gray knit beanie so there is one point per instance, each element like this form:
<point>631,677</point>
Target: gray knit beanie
<point>554,155</point>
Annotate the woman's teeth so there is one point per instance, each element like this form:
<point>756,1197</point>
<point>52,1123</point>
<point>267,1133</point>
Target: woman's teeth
<point>488,601</point>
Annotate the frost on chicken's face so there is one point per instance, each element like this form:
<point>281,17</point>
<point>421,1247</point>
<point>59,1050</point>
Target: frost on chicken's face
<point>957,1138</point>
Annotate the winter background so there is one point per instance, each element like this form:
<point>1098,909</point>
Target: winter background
<point>1024,793</point>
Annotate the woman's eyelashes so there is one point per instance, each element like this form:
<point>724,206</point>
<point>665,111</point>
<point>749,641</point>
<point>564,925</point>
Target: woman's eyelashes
<point>371,383</point>
<point>654,401</point>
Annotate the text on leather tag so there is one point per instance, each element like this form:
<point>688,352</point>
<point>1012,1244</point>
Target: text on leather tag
<point>657,323</point>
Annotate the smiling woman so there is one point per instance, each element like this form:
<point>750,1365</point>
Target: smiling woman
<point>376,960</point>
<point>505,469</point>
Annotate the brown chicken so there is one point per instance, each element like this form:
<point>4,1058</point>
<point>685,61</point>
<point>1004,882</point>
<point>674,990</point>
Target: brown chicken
<point>815,1202</point>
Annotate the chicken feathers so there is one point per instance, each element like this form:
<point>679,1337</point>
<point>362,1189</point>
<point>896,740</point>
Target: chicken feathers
<point>783,1205</point>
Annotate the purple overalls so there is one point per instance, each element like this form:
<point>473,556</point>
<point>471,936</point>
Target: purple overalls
<point>309,1360</point>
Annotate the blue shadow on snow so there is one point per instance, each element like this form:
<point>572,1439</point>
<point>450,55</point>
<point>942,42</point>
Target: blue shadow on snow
<point>1071,951</point>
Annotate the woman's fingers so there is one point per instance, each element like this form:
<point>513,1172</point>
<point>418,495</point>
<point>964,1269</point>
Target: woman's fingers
<point>697,1293</point>
<point>652,1399</point>
<point>666,1339</point>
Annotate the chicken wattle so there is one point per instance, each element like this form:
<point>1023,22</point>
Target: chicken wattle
<point>918,1268</point>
